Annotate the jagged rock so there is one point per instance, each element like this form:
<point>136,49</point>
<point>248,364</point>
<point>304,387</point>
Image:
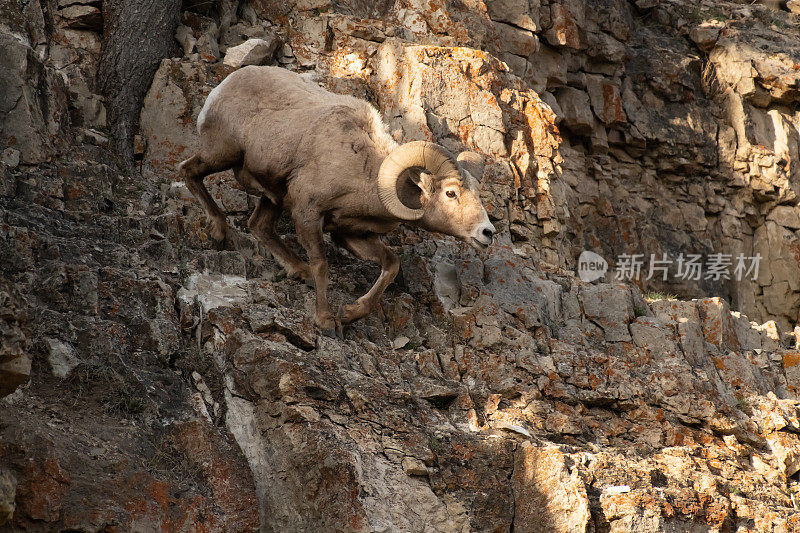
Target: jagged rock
<point>185,37</point>
<point>8,486</point>
<point>168,123</point>
<point>705,36</point>
<point>550,496</point>
<point>465,105</point>
<point>61,357</point>
<point>566,23</point>
<point>251,52</point>
<point>786,448</point>
<point>606,100</point>
<point>414,467</point>
<point>10,157</point>
<point>599,138</point>
<point>786,216</point>
<point>576,109</point>
<point>611,308</point>
<point>605,47</point>
<point>82,17</point>
<point>549,70</point>
<point>208,43</point>
<point>517,41</point>
<point>24,121</point>
<point>520,13</point>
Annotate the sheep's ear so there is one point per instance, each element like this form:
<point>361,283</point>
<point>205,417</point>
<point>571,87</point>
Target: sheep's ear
<point>473,163</point>
<point>423,180</point>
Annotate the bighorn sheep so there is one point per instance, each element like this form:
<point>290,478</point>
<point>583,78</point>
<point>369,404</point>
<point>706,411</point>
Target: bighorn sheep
<point>330,161</point>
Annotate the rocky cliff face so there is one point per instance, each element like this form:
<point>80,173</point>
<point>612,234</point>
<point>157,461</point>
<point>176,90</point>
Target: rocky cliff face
<point>153,381</point>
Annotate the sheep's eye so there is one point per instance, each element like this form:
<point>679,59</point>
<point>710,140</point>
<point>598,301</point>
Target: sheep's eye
<point>451,194</point>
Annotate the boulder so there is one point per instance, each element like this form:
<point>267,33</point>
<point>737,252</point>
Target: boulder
<point>32,101</point>
<point>550,496</point>
<point>705,36</point>
<point>251,52</point>
<point>606,100</point>
<point>62,358</point>
<point>520,13</point>
<point>82,17</point>
<point>10,157</point>
<point>566,23</point>
<point>8,488</point>
<point>576,109</point>
<point>515,40</point>
<point>786,449</point>
<point>610,307</point>
<point>786,216</point>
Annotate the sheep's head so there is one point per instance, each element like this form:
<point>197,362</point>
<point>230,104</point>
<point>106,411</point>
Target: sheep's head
<point>419,181</point>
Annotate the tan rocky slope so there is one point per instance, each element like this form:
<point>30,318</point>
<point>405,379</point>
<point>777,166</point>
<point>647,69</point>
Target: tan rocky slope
<point>154,382</point>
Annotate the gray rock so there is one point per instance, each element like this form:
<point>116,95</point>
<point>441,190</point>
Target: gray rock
<point>83,17</point>
<point>515,12</point>
<point>24,87</point>
<point>62,357</point>
<point>548,68</point>
<point>10,157</point>
<point>551,497</point>
<point>606,48</point>
<point>576,108</point>
<point>185,36</point>
<point>8,489</point>
<point>515,40</point>
<point>786,216</point>
<point>208,43</point>
<point>705,36</point>
<point>251,52</point>
<point>414,467</point>
<point>606,100</point>
<point>610,307</point>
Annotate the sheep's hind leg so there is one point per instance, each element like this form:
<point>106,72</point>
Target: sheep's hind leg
<point>262,225</point>
<point>192,172</point>
<point>369,248</point>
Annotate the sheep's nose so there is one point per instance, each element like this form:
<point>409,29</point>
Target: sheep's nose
<point>488,233</point>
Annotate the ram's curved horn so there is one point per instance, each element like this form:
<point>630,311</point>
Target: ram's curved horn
<point>427,155</point>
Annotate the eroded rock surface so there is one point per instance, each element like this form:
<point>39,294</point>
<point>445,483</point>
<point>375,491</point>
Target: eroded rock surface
<point>154,381</point>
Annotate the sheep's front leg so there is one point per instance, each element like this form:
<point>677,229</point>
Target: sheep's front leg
<point>370,248</point>
<point>309,232</point>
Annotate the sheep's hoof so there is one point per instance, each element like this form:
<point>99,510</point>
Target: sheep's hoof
<point>334,333</point>
<point>218,233</point>
<point>350,313</point>
<point>331,327</point>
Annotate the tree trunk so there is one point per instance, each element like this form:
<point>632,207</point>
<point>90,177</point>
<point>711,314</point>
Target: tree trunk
<point>137,35</point>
